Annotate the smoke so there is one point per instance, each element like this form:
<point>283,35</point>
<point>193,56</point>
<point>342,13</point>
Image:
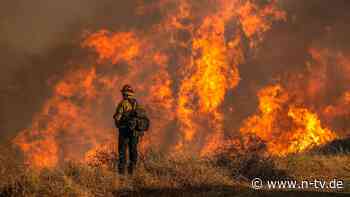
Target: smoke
<point>286,48</point>
<point>38,39</point>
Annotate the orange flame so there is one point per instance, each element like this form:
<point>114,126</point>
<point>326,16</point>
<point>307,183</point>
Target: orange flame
<point>212,71</point>
<point>209,45</point>
<point>284,127</point>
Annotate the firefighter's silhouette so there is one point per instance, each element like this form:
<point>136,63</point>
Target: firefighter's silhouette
<point>130,128</point>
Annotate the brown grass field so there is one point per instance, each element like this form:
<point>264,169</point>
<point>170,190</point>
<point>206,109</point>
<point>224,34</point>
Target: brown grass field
<point>227,174</point>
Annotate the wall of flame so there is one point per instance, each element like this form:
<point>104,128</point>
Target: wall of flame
<point>183,68</point>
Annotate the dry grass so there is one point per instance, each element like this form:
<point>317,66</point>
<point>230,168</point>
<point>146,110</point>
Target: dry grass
<point>157,172</point>
<point>315,166</point>
<point>227,174</point>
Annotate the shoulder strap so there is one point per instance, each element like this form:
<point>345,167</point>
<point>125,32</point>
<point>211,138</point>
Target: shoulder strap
<point>133,103</point>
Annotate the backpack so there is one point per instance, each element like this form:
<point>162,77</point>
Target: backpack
<point>137,119</point>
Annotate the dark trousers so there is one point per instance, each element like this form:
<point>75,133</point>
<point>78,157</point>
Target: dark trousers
<point>127,140</point>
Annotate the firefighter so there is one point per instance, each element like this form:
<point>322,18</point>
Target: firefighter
<point>128,137</point>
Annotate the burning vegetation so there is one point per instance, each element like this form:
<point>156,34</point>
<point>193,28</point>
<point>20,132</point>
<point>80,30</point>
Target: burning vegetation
<point>285,126</point>
<point>185,69</point>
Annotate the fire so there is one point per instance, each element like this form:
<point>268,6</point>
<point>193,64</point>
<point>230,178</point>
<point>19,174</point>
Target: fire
<point>310,132</point>
<point>212,70</point>
<point>76,119</point>
<point>181,68</point>
<point>328,86</point>
<point>284,126</point>
<point>210,78</point>
<point>292,117</point>
<point>252,19</point>
<point>116,47</point>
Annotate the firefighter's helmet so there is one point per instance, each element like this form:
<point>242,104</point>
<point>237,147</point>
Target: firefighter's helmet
<point>127,88</point>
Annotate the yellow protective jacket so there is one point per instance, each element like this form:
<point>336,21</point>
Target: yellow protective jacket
<point>123,107</point>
